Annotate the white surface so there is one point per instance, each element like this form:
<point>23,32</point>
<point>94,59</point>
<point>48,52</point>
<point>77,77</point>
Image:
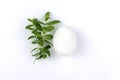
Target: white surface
<point>96,23</point>
<point>64,41</point>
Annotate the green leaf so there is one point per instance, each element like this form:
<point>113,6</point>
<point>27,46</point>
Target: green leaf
<point>49,37</point>
<point>30,27</point>
<point>30,20</point>
<point>41,49</point>
<point>33,49</point>
<point>43,30</point>
<point>34,42</point>
<point>39,57</point>
<point>37,33</point>
<point>48,42</point>
<point>39,38</point>
<point>35,20</point>
<point>41,42</point>
<point>53,22</point>
<point>47,47</point>
<point>47,16</point>
<point>41,22</point>
<point>35,54</point>
<point>49,28</point>
<point>38,26</point>
<point>31,37</point>
<point>44,56</point>
<point>47,51</point>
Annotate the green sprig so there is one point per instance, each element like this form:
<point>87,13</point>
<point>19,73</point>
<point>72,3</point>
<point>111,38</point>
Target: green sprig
<point>40,36</point>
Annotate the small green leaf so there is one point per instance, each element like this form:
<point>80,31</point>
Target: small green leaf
<point>47,47</point>
<point>37,33</point>
<point>47,51</point>
<point>31,37</point>
<point>41,42</point>
<point>43,30</point>
<point>44,56</point>
<point>41,22</point>
<point>49,28</point>
<point>48,42</point>
<point>31,20</point>
<point>53,22</point>
<point>38,57</point>
<point>35,54</point>
<point>33,49</point>
<point>38,26</point>
<point>41,49</point>
<point>47,16</point>
<point>39,38</point>
<point>34,42</point>
<point>49,37</point>
<point>35,20</point>
<point>30,27</point>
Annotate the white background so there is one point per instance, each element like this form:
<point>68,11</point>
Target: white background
<point>96,24</point>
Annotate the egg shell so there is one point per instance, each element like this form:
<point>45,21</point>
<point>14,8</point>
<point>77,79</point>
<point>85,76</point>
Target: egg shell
<point>64,40</point>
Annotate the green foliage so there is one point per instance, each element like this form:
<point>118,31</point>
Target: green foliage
<point>33,49</point>
<point>30,37</point>
<point>53,22</point>
<point>49,28</point>
<point>30,27</point>
<point>47,16</point>
<point>40,36</point>
<point>48,36</point>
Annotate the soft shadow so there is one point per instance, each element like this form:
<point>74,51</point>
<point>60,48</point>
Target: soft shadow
<point>81,48</point>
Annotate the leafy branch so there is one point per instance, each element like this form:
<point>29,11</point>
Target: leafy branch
<point>41,35</point>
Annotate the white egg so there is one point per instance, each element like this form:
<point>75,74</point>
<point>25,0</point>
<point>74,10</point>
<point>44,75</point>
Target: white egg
<point>64,41</point>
